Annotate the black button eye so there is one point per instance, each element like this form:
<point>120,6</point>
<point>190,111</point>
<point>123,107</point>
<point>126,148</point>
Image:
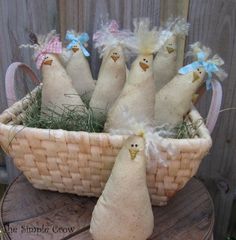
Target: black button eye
<point>136,145</point>
<point>144,59</point>
<point>132,145</point>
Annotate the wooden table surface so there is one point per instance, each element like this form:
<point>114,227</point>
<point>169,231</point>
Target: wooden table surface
<point>29,213</point>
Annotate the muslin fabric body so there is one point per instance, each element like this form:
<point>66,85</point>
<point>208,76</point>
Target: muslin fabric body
<point>111,80</point>
<point>57,91</point>
<point>174,100</point>
<point>123,211</point>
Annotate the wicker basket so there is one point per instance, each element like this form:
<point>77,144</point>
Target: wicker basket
<point>81,162</point>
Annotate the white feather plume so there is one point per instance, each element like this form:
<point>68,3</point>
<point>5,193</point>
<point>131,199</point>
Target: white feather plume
<point>178,27</point>
<point>144,40</point>
<point>197,47</point>
<point>109,36</point>
<point>42,42</point>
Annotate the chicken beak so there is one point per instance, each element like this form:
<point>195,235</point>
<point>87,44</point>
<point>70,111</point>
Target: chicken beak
<point>133,153</point>
<point>48,62</point>
<point>144,66</point>
<point>115,58</point>
<point>75,49</point>
<point>195,77</point>
<point>170,49</point>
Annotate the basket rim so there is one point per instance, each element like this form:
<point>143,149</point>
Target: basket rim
<point>194,115</point>
<point>203,132</point>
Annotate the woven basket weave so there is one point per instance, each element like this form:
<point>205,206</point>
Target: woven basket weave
<point>81,162</point>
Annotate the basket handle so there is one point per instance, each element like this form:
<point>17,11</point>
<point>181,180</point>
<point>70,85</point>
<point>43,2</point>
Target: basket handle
<point>215,105</point>
<point>10,80</point>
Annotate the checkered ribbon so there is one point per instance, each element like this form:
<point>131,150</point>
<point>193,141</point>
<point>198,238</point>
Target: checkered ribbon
<point>53,46</point>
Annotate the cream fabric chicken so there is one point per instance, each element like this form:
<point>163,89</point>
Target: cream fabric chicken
<point>174,100</point>
<point>58,92</point>
<point>112,74</point>
<point>164,64</point>
<point>77,66</point>
<point>123,211</point>
<point>138,95</point>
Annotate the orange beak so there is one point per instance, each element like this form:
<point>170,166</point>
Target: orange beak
<point>195,77</point>
<point>115,58</point>
<point>144,66</point>
<point>75,49</point>
<point>48,62</point>
<point>133,153</point>
<point>170,49</point>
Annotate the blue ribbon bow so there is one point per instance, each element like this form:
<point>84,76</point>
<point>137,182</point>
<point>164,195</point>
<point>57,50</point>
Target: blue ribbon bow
<point>208,66</point>
<point>81,39</point>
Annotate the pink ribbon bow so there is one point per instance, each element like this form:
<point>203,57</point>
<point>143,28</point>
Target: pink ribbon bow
<point>112,28</point>
<point>53,46</point>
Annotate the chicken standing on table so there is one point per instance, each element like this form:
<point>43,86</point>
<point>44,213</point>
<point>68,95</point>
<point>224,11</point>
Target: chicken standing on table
<point>124,211</point>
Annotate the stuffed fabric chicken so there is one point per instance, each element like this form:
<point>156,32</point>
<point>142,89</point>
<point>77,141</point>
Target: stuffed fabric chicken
<point>174,100</point>
<point>58,92</point>
<point>138,95</point>
<point>164,64</point>
<point>77,67</point>
<point>123,211</point>
<point>112,73</point>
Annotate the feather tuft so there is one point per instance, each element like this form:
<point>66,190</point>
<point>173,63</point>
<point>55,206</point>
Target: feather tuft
<point>177,27</point>
<point>38,42</point>
<point>33,38</point>
<point>73,32</point>
<point>197,47</point>
<point>181,27</point>
<point>145,40</point>
<point>109,36</point>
